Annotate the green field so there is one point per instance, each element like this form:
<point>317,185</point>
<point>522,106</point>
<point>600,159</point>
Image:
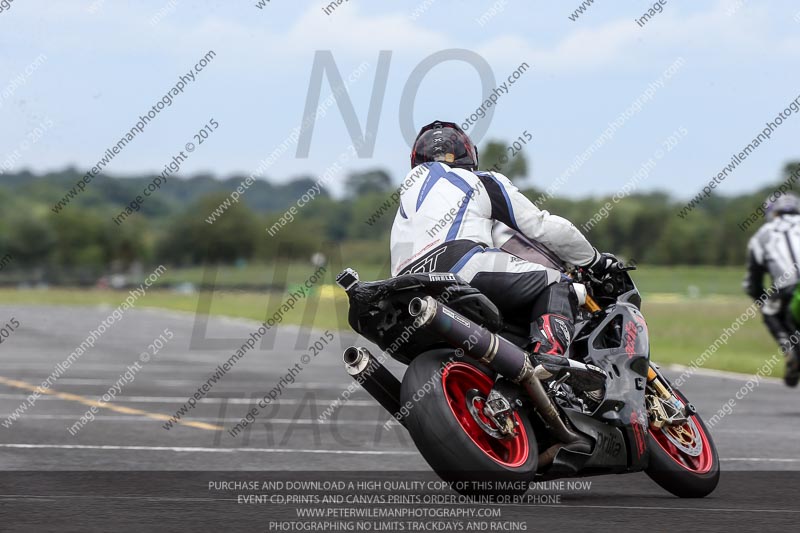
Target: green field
<point>682,280</point>
<point>686,308</point>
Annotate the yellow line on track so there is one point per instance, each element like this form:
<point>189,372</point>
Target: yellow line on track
<point>30,387</point>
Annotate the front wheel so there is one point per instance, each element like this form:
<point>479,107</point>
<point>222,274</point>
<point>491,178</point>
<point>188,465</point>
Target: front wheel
<point>445,399</point>
<point>683,459</point>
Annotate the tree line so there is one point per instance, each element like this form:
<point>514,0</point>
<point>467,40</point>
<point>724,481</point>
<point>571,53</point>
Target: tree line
<point>171,227</point>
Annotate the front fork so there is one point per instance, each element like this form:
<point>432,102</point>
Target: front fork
<point>663,405</point>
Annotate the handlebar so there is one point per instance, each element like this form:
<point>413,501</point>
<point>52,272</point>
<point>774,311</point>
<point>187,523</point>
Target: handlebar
<point>611,283</point>
<point>621,267</point>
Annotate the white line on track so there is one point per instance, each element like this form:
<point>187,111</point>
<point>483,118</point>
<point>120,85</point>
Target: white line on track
<point>772,432</point>
<point>710,372</point>
<point>764,459</point>
<point>192,383</point>
<point>231,401</point>
<point>199,449</point>
<point>165,365</point>
<point>650,508</point>
<point>135,418</point>
<point>559,506</point>
<point>96,497</point>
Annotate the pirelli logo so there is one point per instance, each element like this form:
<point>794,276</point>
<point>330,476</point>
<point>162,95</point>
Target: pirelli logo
<point>442,277</point>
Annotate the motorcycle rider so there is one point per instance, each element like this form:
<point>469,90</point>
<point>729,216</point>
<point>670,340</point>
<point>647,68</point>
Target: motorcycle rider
<point>444,223</point>
<point>775,249</point>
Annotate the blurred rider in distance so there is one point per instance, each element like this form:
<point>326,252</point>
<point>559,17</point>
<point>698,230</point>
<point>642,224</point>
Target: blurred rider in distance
<point>775,250</point>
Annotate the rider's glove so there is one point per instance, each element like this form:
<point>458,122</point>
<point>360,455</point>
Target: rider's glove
<point>603,264</point>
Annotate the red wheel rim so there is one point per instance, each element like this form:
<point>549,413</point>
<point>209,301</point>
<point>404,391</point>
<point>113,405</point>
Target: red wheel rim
<point>699,464</point>
<point>457,379</point>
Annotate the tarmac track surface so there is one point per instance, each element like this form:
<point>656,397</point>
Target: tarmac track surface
<point>124,471</point>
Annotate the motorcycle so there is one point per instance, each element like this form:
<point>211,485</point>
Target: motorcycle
<point>478,409</point>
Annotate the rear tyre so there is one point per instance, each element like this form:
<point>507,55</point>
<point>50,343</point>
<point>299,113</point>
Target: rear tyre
<point>438,390</point>
<point>684,459</point>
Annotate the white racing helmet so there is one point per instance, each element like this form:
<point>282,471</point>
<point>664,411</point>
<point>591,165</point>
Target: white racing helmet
<point>785,204</point>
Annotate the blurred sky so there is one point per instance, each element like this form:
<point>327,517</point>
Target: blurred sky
<point>107,64</point>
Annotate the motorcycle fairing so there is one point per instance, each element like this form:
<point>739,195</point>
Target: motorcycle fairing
<point>618,342</point>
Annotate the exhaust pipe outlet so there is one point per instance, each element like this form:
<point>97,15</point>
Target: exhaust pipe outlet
<point>417,306</point>
<point>500,355</point>
<point>374,378</point>
<point>355,359</point>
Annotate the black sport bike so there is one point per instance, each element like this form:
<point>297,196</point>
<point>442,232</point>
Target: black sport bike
<point>477,408</point>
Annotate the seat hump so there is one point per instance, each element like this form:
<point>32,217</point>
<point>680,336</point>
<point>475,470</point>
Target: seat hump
<point>446,287</point>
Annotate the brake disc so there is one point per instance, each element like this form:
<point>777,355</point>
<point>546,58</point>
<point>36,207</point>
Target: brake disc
<point>684,437</point>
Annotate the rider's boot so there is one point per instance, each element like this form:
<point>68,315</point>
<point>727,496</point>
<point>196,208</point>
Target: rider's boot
<point>790,352</point>
<point>550,339</point>
<point>778,328</point>
<point>551,334</point>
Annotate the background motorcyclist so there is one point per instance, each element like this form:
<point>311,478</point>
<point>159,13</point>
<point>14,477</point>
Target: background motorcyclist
<point>444,223</point>
<point>775,250</point>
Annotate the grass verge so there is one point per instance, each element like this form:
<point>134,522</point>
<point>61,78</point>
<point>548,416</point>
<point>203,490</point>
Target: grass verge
<point>680,328</point>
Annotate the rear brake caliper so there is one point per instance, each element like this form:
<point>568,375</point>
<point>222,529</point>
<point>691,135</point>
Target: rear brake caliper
<point>493,414</point>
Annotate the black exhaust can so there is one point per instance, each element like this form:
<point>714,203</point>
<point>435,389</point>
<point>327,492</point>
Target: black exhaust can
<point>472,339</point>
<point>374,378</point>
